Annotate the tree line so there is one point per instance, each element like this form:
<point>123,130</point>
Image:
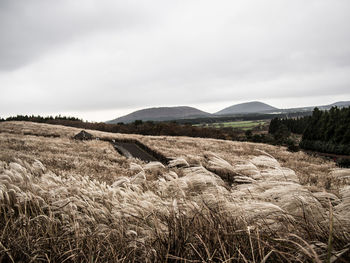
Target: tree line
<point>328,131</point>
<point>323,131</point>
<point>138,127</point>
<point>294,125</point>
<point>40,119</point>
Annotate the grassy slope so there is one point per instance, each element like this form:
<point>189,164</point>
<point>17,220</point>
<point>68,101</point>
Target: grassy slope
<point>81,201</point>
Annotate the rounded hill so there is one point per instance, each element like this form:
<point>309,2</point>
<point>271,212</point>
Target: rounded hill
<point>247,107</point>
<point>162,114</point>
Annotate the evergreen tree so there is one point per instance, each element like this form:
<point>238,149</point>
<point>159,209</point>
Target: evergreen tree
<point>328,131</point>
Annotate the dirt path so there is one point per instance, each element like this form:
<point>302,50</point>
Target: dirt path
<point>130,149</point>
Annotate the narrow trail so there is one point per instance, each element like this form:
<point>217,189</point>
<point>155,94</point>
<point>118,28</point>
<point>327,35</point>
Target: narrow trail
<point>132,150</point>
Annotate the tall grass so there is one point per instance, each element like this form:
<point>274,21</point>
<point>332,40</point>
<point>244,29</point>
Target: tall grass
<point>193,210</point>
<point>195,217</point>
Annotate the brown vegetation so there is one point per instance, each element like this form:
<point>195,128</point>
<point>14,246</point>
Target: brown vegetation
<point>63,200</point>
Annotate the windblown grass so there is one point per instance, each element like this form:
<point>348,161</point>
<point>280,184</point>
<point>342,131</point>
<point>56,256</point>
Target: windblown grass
<point>216,201</point>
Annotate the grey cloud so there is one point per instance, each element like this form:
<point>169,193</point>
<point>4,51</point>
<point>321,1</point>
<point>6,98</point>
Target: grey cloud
<point>31,28</point>
<point>93,55</point>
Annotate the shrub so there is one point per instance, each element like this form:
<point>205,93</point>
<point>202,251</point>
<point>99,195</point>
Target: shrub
<point>292,146</point>
<point>343,162</point>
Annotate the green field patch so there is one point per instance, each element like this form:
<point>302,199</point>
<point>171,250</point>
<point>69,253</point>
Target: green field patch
<point>244,125</point>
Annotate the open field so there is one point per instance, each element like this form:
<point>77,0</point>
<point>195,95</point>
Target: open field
<point>216,201</point>
<point>244,125</point>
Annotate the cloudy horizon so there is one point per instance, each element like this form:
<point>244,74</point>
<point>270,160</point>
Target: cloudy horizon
<point>98,60</point>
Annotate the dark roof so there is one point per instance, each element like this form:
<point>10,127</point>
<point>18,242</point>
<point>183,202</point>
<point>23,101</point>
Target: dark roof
<point>83,135</point>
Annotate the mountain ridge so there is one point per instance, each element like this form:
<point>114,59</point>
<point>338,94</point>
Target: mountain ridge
<point>338,104</point>
<point>247,107</point>
<point>186,112</point>
<point>162,114</point>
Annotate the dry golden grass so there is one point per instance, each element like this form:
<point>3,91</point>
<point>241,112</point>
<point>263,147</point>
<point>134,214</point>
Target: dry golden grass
<point>63,200</point>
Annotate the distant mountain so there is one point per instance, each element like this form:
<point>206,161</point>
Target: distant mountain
<point>339,104</point>
<point>162,114</point>
<point>184,112</point>
<point>248,107</point>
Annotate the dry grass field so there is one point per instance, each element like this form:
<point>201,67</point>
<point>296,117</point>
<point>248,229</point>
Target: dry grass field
<point>63,200</point>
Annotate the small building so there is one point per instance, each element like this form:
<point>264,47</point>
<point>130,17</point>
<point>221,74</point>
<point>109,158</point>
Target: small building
<point>83,135</point>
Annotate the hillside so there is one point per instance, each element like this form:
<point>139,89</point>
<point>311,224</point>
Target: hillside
<point>248,107</point>
<point>339,104</point>
<point>162,114</point>
<point>215,201</point>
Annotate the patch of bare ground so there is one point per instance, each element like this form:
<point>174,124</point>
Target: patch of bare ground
<point>216,201</point>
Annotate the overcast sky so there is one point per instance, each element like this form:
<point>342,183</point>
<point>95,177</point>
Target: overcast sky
<point>101,59</point>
